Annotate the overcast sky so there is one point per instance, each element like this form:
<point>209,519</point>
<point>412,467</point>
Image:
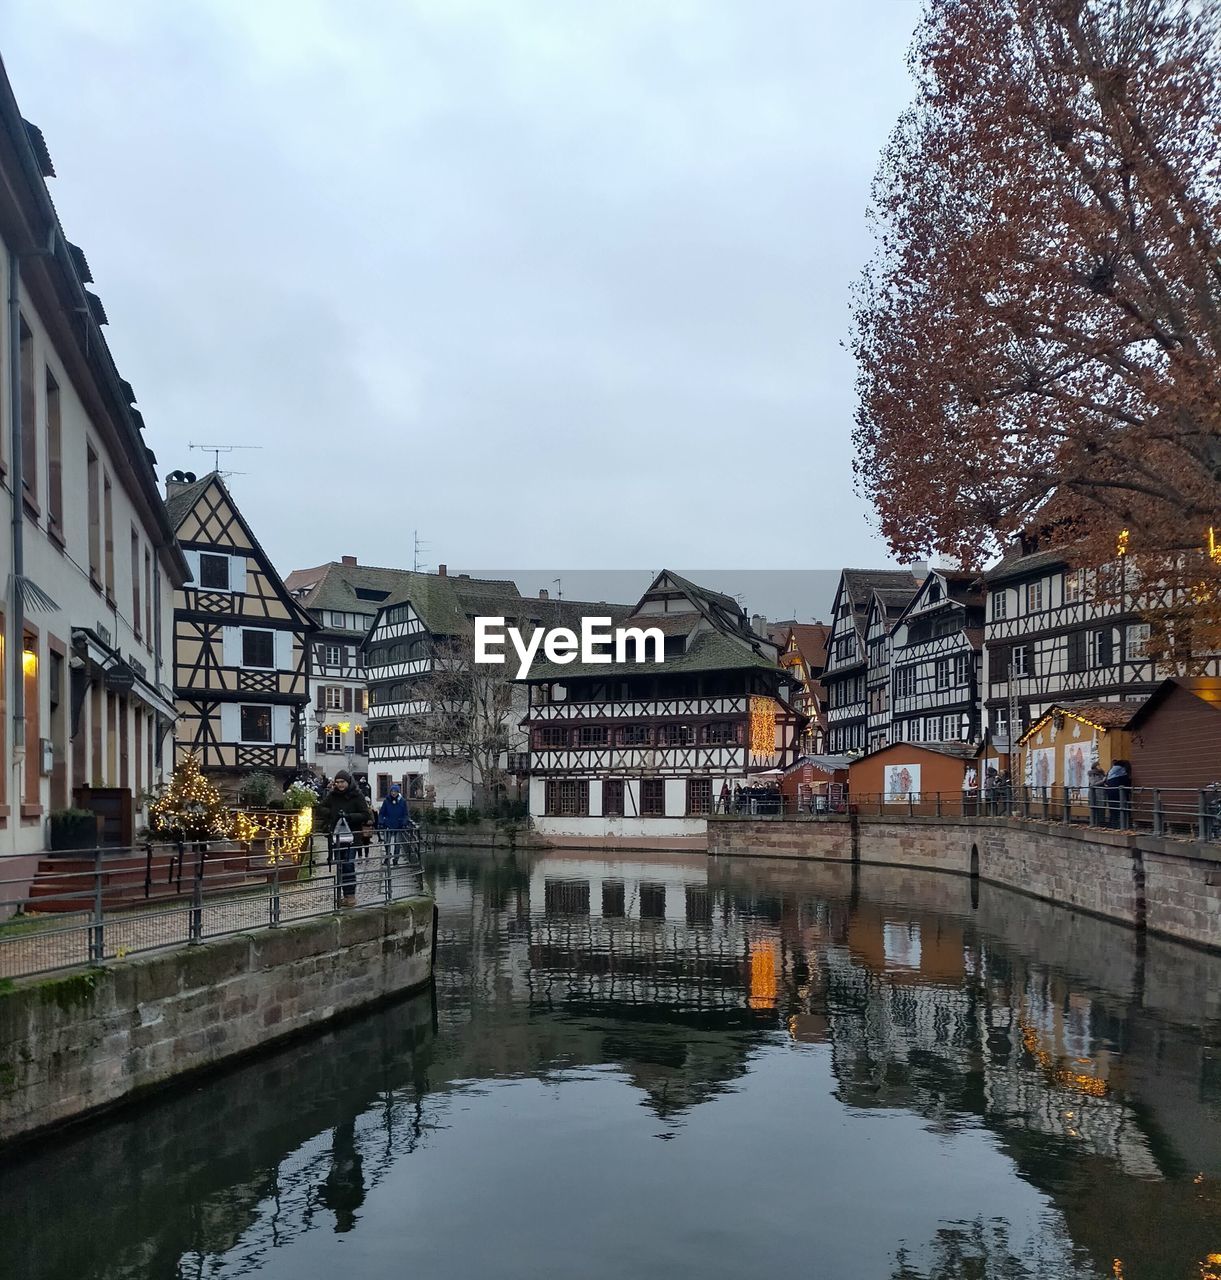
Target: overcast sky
<point>552,282</point>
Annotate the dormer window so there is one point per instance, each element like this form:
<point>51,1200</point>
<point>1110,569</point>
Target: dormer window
<point>934,592</point>
<point>676,646</point>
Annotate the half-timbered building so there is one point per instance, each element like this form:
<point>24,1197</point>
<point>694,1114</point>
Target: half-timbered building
<point>343,597</point>
<point>638,751</point>
<point>803,654</point>
<point>1050,637</point>
<point>241,642</point>
<point>867,601</point>
<point>89,564</point>
<point>445,728</point>
<point>936,648</point>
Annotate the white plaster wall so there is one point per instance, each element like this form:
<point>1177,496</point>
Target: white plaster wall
<point>676,797</point>
<point>622,828</point>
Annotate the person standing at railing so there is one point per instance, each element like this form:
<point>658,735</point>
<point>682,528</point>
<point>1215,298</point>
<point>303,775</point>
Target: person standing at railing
<point>344,801</point>
<point>723,802</point>
<point>1118,783</point>
<point>1095,783</point>
<point>394,820</point>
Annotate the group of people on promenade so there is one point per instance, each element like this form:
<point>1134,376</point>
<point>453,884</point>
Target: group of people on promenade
<point>346,815</point>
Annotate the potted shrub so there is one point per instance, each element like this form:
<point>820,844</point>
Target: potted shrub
<point>74,829</point>
<point>259,791</point>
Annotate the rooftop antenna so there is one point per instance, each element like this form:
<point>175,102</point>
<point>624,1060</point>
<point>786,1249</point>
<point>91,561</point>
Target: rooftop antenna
<point>217,449</point>
<point>417,546</point>
<point>559,590</point>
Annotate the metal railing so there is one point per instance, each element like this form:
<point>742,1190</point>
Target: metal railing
<point>66,909</point>
<point>1186,812</point>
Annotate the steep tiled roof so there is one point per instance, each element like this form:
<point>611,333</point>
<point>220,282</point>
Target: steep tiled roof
<point>1101,715</point>
<point>1017,565</point>
<point>180,503</point>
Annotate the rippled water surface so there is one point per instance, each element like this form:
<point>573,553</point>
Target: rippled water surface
<point>674,1066</point>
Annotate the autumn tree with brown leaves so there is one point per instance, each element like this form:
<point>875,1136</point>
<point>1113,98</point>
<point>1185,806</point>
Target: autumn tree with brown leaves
<point>1038,334</point>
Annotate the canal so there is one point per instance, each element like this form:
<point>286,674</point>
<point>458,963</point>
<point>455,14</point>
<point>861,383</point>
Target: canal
<point>677,1066</point>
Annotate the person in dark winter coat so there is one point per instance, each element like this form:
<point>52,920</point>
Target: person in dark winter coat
<point>394,819</point>
<point>344,800</point>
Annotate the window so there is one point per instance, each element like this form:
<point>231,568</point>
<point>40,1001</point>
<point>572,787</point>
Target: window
<point>721,733</point>
<point>905,682</point>
<point>1000,604</point>
<point>108,528</point>
<point>612,798</point>
<point>55,457</point>
<point>29,421</point>
<point>1034,597</point>
<point>675,735</point>
<point>1137,641</point>
<point>945,673</point>
<point>593,735</point>
<point>332,697</point>
<point>1104,647</point>
<point>1000,722</point>
<point>135,581</point>
<point>331,655</point>
<point>1019,660</point>
<point>332,738</point>
<point>213,572</point>
<point>1074,586</point>
<point>699,796</point>
<point>362,700</point>
<point>258,648</point>
<point>256,724</point>
<point>962,668</point>
<point>635,735</point>
<point>550,736</point>
<point>148,597</point>
<point>95,517</point>
<point>383,785</point>
<point>653,797</point>
<point>567,798</point>
<point>914,731</point>
<point>932,728</point>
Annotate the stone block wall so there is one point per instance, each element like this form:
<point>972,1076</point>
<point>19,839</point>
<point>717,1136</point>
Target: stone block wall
<point>75,1043</point>
<point>1171,887</point>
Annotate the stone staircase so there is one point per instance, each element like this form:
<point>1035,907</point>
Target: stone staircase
<point>66,881</point>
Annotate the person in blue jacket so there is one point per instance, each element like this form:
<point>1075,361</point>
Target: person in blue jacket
<point>394,820</point>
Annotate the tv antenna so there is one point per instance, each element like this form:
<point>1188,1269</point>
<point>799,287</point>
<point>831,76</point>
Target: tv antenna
<point>559,588</point>
<point>217,449</point>
<point>417,547</point>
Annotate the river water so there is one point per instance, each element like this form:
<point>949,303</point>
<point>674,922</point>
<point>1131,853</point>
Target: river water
<point>678,1066</point>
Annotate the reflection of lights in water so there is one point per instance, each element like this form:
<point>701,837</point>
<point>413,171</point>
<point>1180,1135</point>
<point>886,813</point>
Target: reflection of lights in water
<point>1090,1085</point>
<point>1117,1268</point>
<point>762,975</point>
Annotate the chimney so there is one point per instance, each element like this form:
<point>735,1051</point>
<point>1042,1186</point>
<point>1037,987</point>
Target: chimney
<point>758,624</point>
<point>542,595</point>
<point>440,571</point>
<point>349,559</point>
<point>178,480</point>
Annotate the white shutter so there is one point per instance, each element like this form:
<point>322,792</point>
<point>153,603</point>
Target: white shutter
<point>230,722</point>
<point>284,650</point>
<point>231,646</point>
<point>281,724</point>
<point>350,656</point>
<point>192,559</point>
<point>237,574</point>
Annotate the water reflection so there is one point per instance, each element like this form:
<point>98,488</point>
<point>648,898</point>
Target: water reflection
<point>870,1074</point>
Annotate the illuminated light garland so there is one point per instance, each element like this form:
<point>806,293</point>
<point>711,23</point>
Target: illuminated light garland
<point>762,727</point>
<point>190,807</point>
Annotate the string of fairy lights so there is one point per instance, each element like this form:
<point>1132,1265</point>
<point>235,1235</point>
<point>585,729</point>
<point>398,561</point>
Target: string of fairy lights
<point>191,808</point>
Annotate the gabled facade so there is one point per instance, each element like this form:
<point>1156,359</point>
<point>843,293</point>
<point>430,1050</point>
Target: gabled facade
<point>867,601</point>
<point>1049,639</point>
<point>935,664</point>
<point>803,654</point>
<point>639,751</point>
<point>241,642</point>
<point>89,566</point>
<point>343,598</point>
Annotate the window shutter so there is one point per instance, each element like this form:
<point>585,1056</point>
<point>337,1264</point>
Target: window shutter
<point>1105,647</point>
<point>320,701</point>
<point>284,650</point>
<point>237,574</point>
<point>282,724</point>
<point>347,699</point>
<point>320,742</point>
<point>231,646</point>
<point>230,722</point>
<point>350,656</point>
<point>1076,650</point>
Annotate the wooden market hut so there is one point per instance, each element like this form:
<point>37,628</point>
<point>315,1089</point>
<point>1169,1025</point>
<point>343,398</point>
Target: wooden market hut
<point>1176,735</point>
<point>912,775</point>
<point>815,784</point>
<point>1056,752</point>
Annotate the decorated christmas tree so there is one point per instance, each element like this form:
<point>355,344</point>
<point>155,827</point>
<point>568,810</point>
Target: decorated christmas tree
<point>190,807</point>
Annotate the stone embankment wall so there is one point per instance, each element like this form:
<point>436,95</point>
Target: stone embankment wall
<point>1170,887</point>
<point>72,1044</point>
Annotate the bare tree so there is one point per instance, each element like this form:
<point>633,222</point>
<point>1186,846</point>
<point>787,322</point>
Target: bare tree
<point>468,711</point>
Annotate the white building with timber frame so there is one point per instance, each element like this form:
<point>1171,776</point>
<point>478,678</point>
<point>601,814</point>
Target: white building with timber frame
<point>639,752</point>
<point>936,651</point>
